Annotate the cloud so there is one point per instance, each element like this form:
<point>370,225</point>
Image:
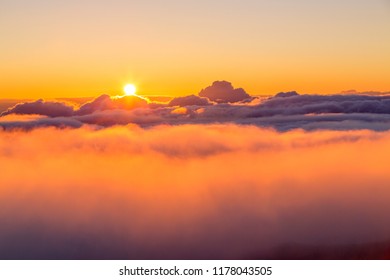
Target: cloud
<point>192,192</point>
<point>106,102</point>
<point>62,109</point>
<point>140,116</point>
<point>189,101</point>
<point>222,113</point>
<point>223,92</point>
<point>286,94</point>
<point>37,122</point>
<point>323,104</point>
<point>41,107</point>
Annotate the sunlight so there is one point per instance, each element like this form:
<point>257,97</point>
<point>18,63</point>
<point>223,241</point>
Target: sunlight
<point>130,89</point>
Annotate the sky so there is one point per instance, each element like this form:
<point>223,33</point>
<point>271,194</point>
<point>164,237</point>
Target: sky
<point>86,48</point>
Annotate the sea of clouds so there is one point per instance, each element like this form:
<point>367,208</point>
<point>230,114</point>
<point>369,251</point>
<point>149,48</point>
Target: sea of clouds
<point>199,177</point>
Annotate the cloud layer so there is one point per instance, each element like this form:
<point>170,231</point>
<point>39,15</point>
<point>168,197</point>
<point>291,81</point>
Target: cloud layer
<point>218,103</point>
<point>192,191</point>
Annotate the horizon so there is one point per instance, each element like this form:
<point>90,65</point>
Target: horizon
<point>120,92</point>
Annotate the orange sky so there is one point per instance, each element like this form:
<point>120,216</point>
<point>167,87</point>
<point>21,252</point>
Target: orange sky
<point>85,48</point>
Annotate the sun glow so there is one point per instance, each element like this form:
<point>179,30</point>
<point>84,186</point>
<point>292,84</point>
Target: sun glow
<point>130,89</point>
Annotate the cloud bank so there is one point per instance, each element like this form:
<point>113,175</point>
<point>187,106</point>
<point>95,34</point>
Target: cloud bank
<point>193,192</point>
<point>41,107</point>
<point>218,103</point>
<point>189,101</point>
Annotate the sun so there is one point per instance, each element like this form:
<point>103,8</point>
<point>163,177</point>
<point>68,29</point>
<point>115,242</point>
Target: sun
<point>129,89</point>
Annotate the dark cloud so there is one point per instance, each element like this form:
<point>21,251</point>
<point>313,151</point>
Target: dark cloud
<point>189,100</point>
<point>142,117</point>
<point>286,94</point>
<point>322,104</point>
<point>59,122</point>
<point>223,92</point>
<point>376,122</point>
<point>106,102</point>
<point>41,107</point>
<point>63,109</point>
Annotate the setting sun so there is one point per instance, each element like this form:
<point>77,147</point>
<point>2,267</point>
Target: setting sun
<point>129,89</point>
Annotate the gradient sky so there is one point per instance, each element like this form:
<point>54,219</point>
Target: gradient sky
<point>176,47</point>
